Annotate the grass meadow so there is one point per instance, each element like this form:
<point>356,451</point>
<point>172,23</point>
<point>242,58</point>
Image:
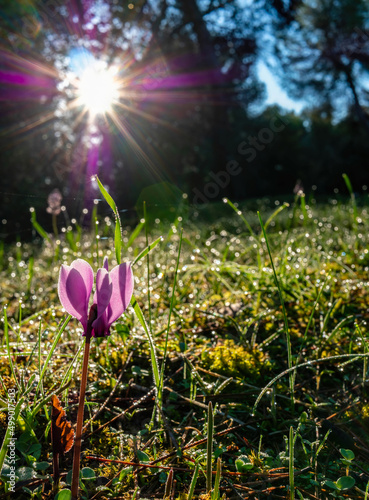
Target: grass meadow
<point>239,371</point>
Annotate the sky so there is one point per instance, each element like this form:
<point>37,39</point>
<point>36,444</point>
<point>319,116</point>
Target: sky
<point>275,93</point>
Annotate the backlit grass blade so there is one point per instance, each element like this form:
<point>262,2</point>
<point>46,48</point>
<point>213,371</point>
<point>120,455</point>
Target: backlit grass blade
<point>352,195</point>
<point>118,224</point>
<point>118,240</point>
<point>109,200</point>
<point>275,213</point>
<point>136,232</point>
<point>303,208</point>
<point>147,250</point>
<point>154,361</point>
<point>238,212</point>
<point>41,231</point>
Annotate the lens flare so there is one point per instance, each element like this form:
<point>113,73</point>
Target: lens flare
<point>97,89</point>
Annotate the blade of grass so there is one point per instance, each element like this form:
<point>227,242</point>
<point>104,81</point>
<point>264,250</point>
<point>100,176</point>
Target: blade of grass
<point>290,465</point>
<point>352,195</point>
<point>30,274</point>
<point>46,399</point>
<point>286,329</point>
<point>154,361</point>
<point>135,234</point>
<point>148,249</point>
<point>303,208</point>
<point>52,349</point>
<point>239,213</point>
<point>147,265</point>
<point>365,363</point>
<point>195,374</point>
<point>169,484</point>
<point>9,432</point>
<point>6,335</point>
<point>275,213</point>
<point>311,317</point>
<point>73,364</point>
<point>41,231</point>
<point>321,445</point>
<point>215,494</point>
<point>194,481</point>
<point>338,327</point>
<point>170,313</point>
<point>40,358</point>
<point>209,448</point>
<point>118,224</point>
<point>350,357</point>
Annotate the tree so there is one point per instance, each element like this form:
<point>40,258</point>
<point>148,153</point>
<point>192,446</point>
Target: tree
<point>189,73</point>
<point>323,50</point>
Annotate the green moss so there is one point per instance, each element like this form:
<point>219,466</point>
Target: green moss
<point>232,360</point>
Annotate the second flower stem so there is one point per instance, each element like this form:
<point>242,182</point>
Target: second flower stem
<point>81,406</point>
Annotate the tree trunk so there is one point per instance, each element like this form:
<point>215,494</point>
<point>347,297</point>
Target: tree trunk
<point>209,60</point>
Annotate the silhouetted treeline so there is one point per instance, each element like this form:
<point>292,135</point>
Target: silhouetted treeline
<point>188,112</point>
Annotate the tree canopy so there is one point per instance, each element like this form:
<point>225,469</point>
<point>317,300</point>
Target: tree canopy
<point>189,101</point>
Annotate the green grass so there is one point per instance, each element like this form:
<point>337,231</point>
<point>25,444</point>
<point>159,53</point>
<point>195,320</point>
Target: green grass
<point>273,360</point>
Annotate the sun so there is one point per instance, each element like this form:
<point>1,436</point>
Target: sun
<point>97,88</point>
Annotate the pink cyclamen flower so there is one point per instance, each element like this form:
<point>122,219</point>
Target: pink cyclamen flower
<point>113,294</point>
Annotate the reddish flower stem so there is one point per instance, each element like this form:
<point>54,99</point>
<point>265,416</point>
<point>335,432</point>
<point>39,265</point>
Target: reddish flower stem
<point>81,407</point>
<point>56,472</point>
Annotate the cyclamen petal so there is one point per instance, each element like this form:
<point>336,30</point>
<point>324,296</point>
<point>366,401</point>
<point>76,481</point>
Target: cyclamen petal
<point>75,286</point>
<point>86,272</point>
<point>106,264</point>
<point>104,290</point>
<point>122,279</point>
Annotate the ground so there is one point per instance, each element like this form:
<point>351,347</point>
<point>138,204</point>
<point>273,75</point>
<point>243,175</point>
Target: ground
<point>275,354</point>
